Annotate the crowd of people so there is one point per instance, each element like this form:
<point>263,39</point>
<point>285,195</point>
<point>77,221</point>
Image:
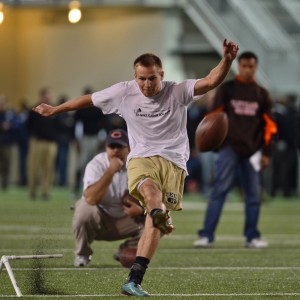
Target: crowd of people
<point>44,145</point>
<point>73,130</point>
<point>89,127</point>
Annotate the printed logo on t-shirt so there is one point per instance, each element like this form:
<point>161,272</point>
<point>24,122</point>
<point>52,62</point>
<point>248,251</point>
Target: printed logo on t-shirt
<point>138,112</point>
<point>244,108</point>
<point>172,197</point>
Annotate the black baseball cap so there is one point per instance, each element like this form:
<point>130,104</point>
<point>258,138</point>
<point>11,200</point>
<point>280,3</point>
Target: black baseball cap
<point>117,136</point>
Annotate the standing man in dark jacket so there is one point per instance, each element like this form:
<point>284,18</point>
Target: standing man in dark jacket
<point>65,136</point>
<point>88,143</point>
<point>8,127</point>
<point>42,149</point>
<point>246,150</point>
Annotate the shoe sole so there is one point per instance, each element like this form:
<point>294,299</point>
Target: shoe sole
<point>126,294</point>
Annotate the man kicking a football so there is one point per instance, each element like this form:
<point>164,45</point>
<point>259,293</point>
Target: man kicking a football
<point>155,113</point>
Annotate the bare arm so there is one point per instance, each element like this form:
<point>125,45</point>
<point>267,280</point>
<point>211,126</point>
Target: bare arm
<point>95,192</point>
<point>73,104</point>
<point>218,74</point>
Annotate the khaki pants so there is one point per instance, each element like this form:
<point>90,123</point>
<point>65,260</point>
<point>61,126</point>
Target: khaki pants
<point>41,165</point>
<point>92,223</point>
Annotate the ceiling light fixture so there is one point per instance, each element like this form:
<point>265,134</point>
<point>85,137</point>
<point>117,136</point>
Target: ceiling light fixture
<point>75,12</point>
<point>1,13</point>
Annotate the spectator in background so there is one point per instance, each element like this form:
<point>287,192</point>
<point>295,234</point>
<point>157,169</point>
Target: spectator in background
<point>8,127</point>
<point>65,135</point>
<point>42,148</point>
<point>208,158</point>
<point>194,179</point>
<point>23,141</point>
<point>285,157</point>
<point>246,150</point>
<point>200,165</point>
<point>298,128</point>
<point>88,124</point>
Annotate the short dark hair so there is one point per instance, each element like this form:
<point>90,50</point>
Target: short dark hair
<point>248,55</point>
<point>148,60</point>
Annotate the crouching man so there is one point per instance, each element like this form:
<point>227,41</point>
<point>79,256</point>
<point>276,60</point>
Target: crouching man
<point>106,211</point>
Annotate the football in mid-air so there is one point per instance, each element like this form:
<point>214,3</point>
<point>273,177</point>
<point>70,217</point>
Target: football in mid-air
<point>127,256</point>
<point>211,131</point>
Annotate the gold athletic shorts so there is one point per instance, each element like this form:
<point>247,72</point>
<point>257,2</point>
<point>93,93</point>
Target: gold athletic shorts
<point>168,177</point>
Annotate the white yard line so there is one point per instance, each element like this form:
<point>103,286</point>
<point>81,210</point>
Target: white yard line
<point>13,251</point>
<point>33,229</point>
<point>160,295</point>
<point>291,239</point>
<point>45,236</point>
<point>282,268</point>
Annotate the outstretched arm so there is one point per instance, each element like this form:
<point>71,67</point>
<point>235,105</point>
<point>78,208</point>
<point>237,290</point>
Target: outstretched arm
<point>218,74</point>
<point>73,104</point>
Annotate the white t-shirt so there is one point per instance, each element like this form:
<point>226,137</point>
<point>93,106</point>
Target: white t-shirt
<point>111,202</point>
<point>156,125</point>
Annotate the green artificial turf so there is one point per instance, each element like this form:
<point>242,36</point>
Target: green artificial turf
<point>178,270</point>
